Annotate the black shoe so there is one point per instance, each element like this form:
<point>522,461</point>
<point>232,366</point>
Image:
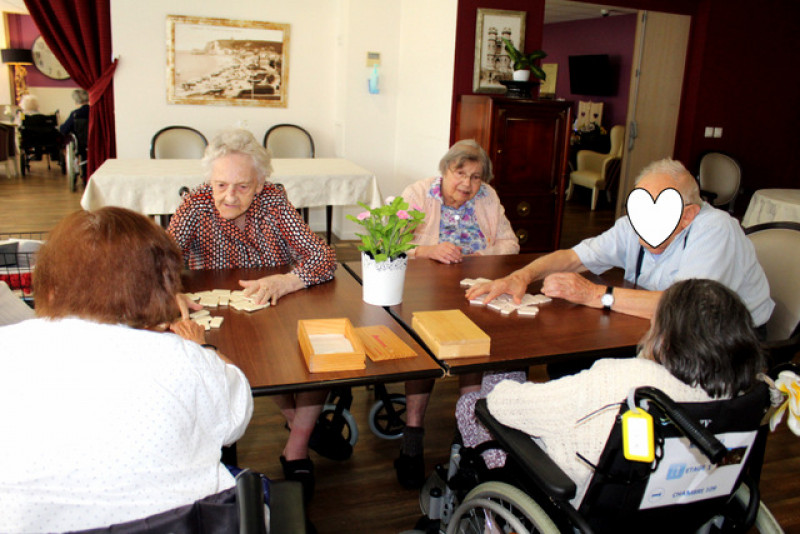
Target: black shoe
<point>329,443</point>
<point>410,470</point>
<point>303,472</point>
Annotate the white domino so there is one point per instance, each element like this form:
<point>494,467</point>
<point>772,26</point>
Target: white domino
<point>199,313</point>
<point>467,282</point>
<point>215,322</point>
<point>529,311</point>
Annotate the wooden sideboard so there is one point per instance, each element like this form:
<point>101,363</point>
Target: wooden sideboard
<point>527,141</point>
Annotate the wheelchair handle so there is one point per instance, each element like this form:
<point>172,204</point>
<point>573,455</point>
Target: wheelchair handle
<point>702,438</point>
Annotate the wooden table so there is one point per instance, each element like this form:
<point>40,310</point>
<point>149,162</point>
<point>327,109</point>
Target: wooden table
<point>560,332</point>
<point>264,344</point>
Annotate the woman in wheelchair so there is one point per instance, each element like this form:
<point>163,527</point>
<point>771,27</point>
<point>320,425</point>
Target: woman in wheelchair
<point>701,346</point>
<point>117,409</point>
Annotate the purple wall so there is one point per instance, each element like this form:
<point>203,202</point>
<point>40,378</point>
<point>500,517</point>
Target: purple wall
<point>21,34</point>
<point>611,35</point>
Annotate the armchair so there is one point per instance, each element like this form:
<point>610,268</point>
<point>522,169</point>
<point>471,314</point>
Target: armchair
<point>596,171</point>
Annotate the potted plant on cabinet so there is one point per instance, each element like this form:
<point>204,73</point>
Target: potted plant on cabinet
<point>524,64</point>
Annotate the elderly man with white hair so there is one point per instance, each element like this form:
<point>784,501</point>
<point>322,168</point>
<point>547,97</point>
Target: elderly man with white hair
<point>706,243</point>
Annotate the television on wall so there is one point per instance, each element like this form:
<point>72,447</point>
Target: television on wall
<point>592,75</point>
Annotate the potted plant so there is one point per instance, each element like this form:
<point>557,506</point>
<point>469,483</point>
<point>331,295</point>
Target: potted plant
<point>523,64</point>
<point>390,229</point>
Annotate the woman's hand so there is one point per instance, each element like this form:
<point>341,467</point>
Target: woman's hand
<point>189,330</point>
<point>443,253</point>
<point>271,288</point>
<point>185,304</point>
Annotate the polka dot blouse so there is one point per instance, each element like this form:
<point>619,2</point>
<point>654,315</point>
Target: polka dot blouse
<point>274,235</point>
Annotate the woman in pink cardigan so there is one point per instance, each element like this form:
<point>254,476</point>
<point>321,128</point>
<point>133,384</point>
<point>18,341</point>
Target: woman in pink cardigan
<point>463,216</point>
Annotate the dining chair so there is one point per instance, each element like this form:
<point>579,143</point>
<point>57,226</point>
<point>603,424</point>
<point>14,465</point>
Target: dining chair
<point>597,171</point>
<point>178,142</point>
<point>293,141</point>
<point>777,247</point>
<point>720,177</point>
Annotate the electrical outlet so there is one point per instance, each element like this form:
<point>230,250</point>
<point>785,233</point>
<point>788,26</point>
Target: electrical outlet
<point>717,133</point>
<point>709,131</point>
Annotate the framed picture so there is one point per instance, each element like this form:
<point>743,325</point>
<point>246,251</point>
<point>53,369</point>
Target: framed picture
<point>548,86</point>
<point>227,62</point>
<point>492,63</point>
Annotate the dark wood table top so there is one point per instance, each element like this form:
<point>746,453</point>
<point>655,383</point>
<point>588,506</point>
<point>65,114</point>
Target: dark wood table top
<point>561,331</point>
<point>264,344</point>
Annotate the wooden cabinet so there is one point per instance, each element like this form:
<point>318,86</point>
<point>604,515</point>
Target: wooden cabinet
<point>527,141</point>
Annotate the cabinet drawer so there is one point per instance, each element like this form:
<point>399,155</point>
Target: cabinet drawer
<point>529,207</point>
<point>535,235</point>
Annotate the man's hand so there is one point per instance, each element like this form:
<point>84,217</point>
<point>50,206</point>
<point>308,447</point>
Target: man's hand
<point>513,284</point>
<point>189,330</point>
<point>443,253</point>
<point>271,288</point>
<point>574,288</point>
<point>185,304</point>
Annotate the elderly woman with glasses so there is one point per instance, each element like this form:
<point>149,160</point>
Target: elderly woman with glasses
<point>463,216</point>
<point>238,219</point>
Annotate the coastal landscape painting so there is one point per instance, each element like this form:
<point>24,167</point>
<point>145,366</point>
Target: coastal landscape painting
<point>226,62</point>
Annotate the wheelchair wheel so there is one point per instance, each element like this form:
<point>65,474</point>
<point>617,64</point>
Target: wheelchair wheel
<point>497,507</point>
<point>386,424</point>
<point>349,426</point>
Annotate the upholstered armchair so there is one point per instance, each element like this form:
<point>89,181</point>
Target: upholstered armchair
<point>595,170</point>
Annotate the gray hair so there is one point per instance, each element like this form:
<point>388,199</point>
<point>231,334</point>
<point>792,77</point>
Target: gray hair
<point>238,141</point>
<point>29,103</point>
<point>467,150</point>
<point>80,96</point>
<point>683,179</point>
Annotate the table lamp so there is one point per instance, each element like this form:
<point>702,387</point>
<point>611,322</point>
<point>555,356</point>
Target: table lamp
<point>18,58</point>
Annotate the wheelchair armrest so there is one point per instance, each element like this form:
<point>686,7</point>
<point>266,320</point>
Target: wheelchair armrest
<point>533,460</point>
<point>250,502</point>
<point>702,438</point>
<point>287,512</point>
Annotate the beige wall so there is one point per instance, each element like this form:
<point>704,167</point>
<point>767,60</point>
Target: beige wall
<point>399,134</point>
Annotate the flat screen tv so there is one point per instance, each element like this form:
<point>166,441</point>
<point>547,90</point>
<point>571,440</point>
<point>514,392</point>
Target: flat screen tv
<point>592,75</point>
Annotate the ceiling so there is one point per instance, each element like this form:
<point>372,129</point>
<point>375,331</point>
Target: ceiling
<point>565,11</point>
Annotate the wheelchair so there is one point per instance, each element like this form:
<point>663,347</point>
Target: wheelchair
<point>39,137</point>
<point>386,418</point>
<point>695,484</point>
<point>74,156</point>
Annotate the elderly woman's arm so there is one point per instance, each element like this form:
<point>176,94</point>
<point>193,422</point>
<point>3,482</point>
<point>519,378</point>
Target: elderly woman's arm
<point>313,262</point>
<point>492,216</point>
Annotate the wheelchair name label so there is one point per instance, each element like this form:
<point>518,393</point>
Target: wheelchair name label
<point>684,474</point>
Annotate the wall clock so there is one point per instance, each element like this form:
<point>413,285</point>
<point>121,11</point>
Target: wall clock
<point>46,62</point>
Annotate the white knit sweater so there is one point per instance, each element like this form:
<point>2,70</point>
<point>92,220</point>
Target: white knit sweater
<point>576,413</point>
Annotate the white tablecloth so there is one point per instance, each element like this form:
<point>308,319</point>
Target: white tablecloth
<point>150,186</point>
<point>770,205</point>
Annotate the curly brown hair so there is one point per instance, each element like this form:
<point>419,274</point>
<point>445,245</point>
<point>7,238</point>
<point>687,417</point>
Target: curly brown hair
<point>112,266</point>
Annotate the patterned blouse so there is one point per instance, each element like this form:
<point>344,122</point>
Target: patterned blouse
<point>459,226</point>
<point>274,235</point>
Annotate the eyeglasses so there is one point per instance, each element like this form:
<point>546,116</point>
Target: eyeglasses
<point>463,176</point>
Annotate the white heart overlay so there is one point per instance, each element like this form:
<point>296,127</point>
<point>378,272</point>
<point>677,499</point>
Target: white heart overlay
<point>654,221</point>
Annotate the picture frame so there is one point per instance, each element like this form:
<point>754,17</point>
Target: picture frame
<point>213,61</point>
<point>492,63</point>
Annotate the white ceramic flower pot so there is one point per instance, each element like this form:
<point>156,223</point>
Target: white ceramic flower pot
<point>521,75</point>
<point>383,282</point>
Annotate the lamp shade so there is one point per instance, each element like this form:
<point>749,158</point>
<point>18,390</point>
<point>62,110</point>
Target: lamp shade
<point>17,56</point>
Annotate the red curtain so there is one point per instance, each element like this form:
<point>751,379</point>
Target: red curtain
<point>79,34</point>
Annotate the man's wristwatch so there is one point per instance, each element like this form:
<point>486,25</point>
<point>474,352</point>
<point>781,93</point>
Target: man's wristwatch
<point>607,300</point>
